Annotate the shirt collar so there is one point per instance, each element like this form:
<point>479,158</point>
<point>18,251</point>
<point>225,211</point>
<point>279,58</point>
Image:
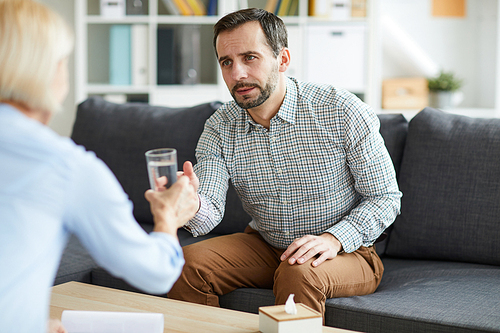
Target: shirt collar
<point>287,110</point>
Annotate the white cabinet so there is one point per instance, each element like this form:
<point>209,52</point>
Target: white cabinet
<point>336,54</point>
<point>309,60</point>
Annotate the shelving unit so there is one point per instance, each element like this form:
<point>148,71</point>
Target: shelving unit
<point>92,52</point>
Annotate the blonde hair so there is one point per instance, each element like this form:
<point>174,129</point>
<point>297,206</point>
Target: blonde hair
<point>33,40</point>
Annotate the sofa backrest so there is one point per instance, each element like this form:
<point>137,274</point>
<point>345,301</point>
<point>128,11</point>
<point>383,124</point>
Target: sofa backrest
<point>120,134</point>
<point>450,179</point>
<point>394,128</point>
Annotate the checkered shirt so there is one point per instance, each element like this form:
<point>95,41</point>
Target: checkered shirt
<point>321,167</point>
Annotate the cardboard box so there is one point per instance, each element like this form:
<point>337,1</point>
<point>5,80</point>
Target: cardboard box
<point>405,93</point>
<point>274,319</point>
<point>358,8</point>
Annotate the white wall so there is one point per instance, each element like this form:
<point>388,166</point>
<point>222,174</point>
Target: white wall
<point>466,46</point>
<point>62,122</point>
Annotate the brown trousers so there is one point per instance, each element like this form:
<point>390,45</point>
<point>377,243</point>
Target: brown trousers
<point>222,264</point>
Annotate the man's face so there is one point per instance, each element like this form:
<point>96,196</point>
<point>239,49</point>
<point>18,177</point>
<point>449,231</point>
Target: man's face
<point>248,65</point>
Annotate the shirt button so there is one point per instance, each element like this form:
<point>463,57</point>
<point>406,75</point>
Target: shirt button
<point>284,202</point>
<point>287,233</point>
<point>279,171</point>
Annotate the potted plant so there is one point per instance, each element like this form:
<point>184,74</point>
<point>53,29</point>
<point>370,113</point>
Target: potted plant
<point>443,90</point>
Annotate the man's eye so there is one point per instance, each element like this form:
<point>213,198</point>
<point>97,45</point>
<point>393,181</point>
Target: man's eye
<point>250,57</point>
<point>226,63</point>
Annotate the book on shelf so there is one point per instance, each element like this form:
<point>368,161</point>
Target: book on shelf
<point>212,8</point>
<point>166,56</point>
<point>188,54</point>
<point>184,7</point>
<point>271,5</point>
<point>283,7</point>
<point>119,54</point>
<point>278,4</point>
<point>139,59</point>
<point>198,7</point>
<point>319,8</point>
<point>294,8</point>
<point>310,7</point>
<point>171,7</point>
<point>137,7</point>
<point>179,55</point>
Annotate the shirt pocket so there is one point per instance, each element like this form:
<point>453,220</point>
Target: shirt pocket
<point>322,170</point>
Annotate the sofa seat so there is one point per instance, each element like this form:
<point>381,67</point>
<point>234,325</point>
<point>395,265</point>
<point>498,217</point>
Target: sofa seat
<point>76,264</point>
<point>412,298</point>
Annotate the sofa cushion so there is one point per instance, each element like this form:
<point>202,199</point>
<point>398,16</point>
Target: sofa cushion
<point>424,296</point>
<point>394,129</point>
<point>76,263</point>
<point>450,179</point>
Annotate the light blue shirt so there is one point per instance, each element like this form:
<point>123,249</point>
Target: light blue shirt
<point>50,188</point>
<point>322,166</point>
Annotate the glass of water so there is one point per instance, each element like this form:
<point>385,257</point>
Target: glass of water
<point>162,167</point>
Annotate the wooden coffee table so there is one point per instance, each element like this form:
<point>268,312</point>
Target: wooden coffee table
<point>179,316</point>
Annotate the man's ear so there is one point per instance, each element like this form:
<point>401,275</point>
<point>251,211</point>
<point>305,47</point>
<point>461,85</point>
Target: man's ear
<point>284,59</point>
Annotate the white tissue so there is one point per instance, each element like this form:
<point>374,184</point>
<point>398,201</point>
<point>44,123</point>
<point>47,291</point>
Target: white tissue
<point>290,307</point>
<point>111,322</point>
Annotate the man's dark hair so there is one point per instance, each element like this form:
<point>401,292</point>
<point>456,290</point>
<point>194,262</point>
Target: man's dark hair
<point>273,27</point>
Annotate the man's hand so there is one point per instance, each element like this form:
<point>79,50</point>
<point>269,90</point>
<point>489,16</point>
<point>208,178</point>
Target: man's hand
<point>304,248</point>
<point>55,326</point>
<point>173,207</point>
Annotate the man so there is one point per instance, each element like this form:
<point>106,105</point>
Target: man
<point>310,167</point>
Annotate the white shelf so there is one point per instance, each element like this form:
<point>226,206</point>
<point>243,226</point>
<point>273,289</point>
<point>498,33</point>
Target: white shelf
<point>136,19</point>
<point>176,19</point>
<point>91,30</point>
<point>115,89</point>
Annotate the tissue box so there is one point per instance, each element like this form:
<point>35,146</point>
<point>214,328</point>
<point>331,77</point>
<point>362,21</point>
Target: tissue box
<point>274,319</point>
<point>405,93</point>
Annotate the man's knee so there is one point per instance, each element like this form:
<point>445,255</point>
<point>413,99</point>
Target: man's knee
<point>294,277</point>
<point>197,258</point>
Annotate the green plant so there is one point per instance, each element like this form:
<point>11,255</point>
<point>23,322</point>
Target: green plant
<point>445,81</point>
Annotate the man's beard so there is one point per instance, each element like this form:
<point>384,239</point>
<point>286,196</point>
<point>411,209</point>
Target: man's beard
<point>264,95</point>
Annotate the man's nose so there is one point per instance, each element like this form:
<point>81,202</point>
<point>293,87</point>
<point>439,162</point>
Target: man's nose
<point>239,71</point>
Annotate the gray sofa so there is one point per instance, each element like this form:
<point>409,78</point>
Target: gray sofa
<point>442,254</point>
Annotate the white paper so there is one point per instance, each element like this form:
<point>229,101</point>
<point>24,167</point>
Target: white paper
<point>112,322</point>
<point>290,307</point>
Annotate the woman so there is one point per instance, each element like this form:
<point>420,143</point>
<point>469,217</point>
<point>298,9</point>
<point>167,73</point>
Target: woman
<point>50,188</point>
